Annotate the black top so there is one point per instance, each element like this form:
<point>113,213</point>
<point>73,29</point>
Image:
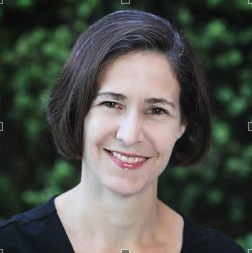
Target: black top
<point>40,230</point>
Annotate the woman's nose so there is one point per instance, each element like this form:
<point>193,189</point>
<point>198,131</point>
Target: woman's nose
<point>130,129</point>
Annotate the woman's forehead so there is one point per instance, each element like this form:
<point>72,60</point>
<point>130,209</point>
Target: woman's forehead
<point>146,73</point>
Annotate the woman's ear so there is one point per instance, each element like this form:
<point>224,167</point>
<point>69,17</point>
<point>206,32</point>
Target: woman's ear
<point>181,130</point>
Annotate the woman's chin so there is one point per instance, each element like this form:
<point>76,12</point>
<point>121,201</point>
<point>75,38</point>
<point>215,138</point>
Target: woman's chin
<point>124,187</point>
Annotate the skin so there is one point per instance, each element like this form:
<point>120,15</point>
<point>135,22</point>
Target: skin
<point>113,208</point>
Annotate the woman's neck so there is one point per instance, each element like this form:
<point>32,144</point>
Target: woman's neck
<point>110,218</point>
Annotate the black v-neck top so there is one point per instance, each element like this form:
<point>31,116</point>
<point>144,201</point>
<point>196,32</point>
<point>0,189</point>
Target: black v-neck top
<point>41,231</point>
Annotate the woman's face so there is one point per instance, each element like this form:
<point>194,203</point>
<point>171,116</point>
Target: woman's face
<point>133,123</point>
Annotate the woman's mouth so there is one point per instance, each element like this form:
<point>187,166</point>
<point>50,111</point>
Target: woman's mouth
<point>126,161</point>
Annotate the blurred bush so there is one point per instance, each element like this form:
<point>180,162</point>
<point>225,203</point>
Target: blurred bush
<point>36,38</point>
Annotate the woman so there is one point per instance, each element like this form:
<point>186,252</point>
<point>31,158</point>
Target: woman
<point>131,100</point>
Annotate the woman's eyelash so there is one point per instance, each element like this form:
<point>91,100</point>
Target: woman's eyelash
<point>110,104</point>
<point>158,111</point>
<point>152,111</point>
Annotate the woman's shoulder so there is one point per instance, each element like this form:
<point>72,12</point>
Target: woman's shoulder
<point>198,239</point>
<point>38,212</point>
<point>29,218</point>
<point>35,229</point>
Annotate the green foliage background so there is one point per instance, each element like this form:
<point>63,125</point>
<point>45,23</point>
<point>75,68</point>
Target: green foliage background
<point>35,39</point>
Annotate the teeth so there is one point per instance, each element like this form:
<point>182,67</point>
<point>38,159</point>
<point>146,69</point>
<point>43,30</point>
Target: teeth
<point>127,159</point>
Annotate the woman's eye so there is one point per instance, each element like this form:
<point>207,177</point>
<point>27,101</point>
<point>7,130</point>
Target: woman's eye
<point>110,104</point>
<point>158,111</point>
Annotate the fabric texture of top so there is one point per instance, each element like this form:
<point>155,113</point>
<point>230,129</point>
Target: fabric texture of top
<point>41,231</point>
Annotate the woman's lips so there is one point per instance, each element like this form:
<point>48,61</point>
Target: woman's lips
<point>126,162</point>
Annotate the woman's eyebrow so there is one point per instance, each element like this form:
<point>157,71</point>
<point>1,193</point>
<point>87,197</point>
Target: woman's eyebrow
<point>119,96</point>
<point>114,95</point>
<point>159,101</point>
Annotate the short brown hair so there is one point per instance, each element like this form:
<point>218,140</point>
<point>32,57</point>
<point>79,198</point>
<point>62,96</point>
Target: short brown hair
<point>110,37</point>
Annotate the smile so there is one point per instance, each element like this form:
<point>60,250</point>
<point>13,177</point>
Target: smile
<point>126,161</point>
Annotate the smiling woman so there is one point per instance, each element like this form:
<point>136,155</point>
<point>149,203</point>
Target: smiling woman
<point>138,95</point>
<point>130,102</point>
